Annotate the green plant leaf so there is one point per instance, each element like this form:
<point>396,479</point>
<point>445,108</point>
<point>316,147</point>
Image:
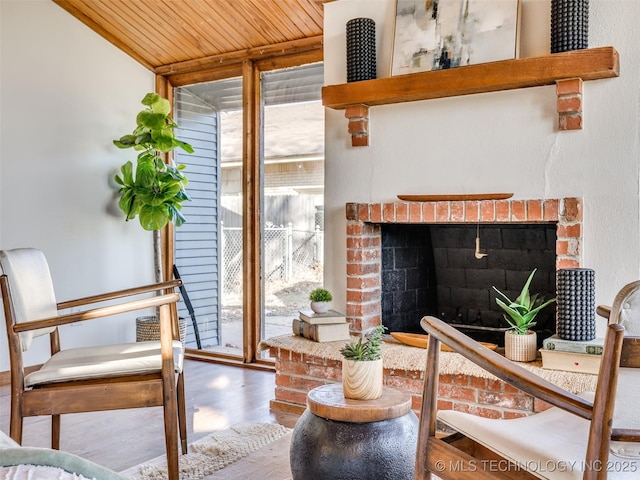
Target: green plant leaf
<point>127,173</point>
<point>126,141</point>
<point>157,103</point>
<point>148,119</point>
<point>153,217</point>
<point>175,215</point>
<point>150,98</point>
<point>145,172</point>
<point>185,146</point>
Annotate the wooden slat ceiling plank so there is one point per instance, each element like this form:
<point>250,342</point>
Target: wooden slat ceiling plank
<point>135,38</point>
<point>257,26</point>
<point>290,18</point>
<point>159,40</point>
<point>229,37</point>
<point>273,21</point>
<point>315,11</point>
<point>108,33</point>
<point>166,25</point>
<point>191,25</point>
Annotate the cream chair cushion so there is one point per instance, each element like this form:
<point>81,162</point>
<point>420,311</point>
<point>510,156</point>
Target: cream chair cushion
<point>104,361</point>
<point>31,288</point>
<point>550,444</point>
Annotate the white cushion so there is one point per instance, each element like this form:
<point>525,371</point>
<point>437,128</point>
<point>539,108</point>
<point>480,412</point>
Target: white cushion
<point>31,288</point>
<point>549,444</point>
<point>104,361</point>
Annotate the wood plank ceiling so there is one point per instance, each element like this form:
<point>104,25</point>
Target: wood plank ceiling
<point>170,35</point>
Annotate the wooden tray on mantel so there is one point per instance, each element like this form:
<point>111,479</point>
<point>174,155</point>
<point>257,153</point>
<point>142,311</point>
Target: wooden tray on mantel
<point>455,197</point>
<point>421,341</point>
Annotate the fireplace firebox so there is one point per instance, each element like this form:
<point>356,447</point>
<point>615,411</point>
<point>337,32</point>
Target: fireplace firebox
<point>410,259</point>
<point>448,270</point>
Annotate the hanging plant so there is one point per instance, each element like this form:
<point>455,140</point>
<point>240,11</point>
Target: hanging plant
<point>154,191</point>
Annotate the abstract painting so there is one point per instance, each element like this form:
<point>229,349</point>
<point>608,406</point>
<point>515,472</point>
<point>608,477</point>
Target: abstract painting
<point>439,34</point>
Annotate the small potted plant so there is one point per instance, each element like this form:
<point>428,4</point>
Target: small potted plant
<point>520,342</point>
<point>320,299</point>
<point>362,373</point>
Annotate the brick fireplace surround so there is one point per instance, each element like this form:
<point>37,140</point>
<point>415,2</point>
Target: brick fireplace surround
<point>297,373</point>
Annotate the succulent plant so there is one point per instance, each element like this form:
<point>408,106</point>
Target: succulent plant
<point>367,348</point>
<point>521,312</point>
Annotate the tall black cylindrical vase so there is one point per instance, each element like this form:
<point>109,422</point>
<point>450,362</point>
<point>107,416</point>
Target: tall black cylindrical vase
<point>569,25</point>
<point>576,294</point>
<point>361,49</point>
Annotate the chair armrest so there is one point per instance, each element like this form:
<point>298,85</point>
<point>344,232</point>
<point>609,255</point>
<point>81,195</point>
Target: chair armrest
<point>128,292</point>
<point>97,312</point>
<point>505,369</point>
<point>603,311</point>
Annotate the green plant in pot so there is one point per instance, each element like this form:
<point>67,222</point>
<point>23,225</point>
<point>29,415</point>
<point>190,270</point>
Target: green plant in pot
<point>520,340</point>
<point>153,190</point>
<point>362,372</point>
<point>320,299</point>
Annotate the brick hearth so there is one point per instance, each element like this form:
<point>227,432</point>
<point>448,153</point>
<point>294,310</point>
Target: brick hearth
<point>298,373</point>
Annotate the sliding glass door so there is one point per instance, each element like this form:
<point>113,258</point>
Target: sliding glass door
<point>210,248</point>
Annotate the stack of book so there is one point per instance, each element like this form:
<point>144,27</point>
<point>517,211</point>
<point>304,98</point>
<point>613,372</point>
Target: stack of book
<point>572,356</point>
<point>321,327</point>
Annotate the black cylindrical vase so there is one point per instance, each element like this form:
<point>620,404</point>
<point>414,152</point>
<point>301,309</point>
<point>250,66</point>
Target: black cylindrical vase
<point>569,25</point>
<point>576,294</point>
<point>361,49</point>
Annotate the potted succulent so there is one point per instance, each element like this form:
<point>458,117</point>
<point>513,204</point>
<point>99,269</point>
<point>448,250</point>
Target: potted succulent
<point>320,299</point>
<point>362,373</point>
<point>520,342</point>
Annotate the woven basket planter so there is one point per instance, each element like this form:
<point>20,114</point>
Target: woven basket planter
<point>148,329</point>
<point>521,348</point>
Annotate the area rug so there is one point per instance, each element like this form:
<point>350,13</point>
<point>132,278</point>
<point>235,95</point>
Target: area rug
<point>214,452</point>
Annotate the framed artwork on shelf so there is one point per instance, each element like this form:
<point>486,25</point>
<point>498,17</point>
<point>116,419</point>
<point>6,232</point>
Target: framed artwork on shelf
<point>439,34</point>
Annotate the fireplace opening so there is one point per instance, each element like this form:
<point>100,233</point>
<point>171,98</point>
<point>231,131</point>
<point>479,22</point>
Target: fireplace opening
<point>433,269</point>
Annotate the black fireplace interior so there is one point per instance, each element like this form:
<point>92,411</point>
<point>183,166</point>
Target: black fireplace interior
<point>434,270</point>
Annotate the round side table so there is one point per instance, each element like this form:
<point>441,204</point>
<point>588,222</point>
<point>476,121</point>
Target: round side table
<point>339,438</point>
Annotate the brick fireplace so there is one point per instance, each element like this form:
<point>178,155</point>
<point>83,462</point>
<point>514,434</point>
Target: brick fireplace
<point>298,370</point>
<point>365,223</point>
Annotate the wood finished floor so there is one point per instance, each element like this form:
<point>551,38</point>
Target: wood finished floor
<point>217,396</point>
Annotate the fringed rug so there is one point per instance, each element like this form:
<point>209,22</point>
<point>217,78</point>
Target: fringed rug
<point>213,452</point>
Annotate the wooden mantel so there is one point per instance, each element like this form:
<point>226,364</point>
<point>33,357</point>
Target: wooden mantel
<point>580,65</point>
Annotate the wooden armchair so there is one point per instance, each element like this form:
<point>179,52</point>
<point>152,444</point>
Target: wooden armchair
<point>95,378</point>
<point>587,436</point>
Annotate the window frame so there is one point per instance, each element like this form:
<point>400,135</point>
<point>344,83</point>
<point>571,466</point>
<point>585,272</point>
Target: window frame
<point>250,69</point>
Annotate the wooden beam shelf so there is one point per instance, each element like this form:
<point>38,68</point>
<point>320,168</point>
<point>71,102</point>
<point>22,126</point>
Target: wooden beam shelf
<point>588,64</point>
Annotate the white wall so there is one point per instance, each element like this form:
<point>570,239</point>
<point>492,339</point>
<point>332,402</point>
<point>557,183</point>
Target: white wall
<point>66,93</point>
<point>497,142</point>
